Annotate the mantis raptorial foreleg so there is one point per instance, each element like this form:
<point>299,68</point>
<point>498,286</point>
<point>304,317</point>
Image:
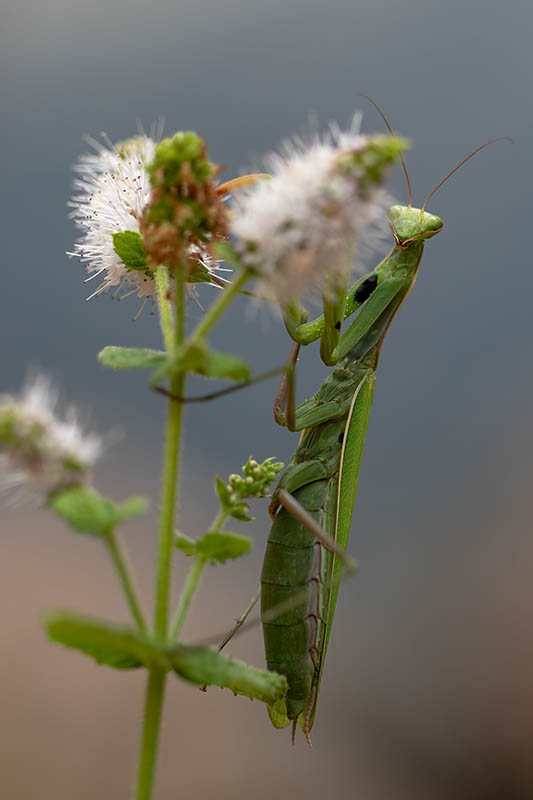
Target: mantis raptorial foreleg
<point>305,332</point>
<point>284,401</point>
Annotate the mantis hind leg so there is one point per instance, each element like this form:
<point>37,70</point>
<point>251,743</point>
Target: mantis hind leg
<point>302,515</point>
<point>240,622</point>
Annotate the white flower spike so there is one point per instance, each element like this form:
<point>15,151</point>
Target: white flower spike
<point>112,191</point>
<point>298,230</point>
<point>38,447</point>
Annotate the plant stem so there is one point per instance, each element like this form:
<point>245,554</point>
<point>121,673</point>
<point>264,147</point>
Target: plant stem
<point>219,306</point>
<point>126,578</point>
<point>191,584</point>
<point>186,597</point>
<point>156,679</point>
<point>165,309</point>
<point>170,473</point>
<point>152,718</point>
<point>168,503</point>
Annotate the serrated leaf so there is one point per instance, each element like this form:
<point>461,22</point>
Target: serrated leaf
<point>222,491</point>
<point>85,510</point>
<point>124,648</point>
<point>129,247</point>
<point>206,667</point>
<point>219,547</point>
<point>185,544</point>
<point>133,507</point>
<point>131,357</point>
<point>112,645</point>
<point>241,511</point>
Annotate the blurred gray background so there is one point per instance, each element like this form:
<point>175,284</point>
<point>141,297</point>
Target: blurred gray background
<point>428,690</point>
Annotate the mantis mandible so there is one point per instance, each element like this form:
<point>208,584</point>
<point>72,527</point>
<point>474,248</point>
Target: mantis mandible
<point>321,480</point>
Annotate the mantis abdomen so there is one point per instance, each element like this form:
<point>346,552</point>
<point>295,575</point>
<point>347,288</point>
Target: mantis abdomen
<point>294,570</point>
<point>298,571</point>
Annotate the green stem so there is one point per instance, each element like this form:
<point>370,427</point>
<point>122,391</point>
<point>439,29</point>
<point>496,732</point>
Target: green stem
<point>168,504</point>
<point>126,578</point>
<point>152,719</point>
<point>219,306</point>
<point>191,584</point>
<point>219,520</point>
<point>170,471</point>
<point>156,681</point>
<point>165,309</point>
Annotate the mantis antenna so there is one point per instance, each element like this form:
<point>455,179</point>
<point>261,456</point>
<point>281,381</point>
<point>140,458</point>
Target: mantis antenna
<point>473,153</point>
<point>386,121</point>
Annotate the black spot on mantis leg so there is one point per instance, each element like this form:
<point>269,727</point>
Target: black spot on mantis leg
<point>364,291</point>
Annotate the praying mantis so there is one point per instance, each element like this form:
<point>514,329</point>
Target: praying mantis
<point>313,502</point>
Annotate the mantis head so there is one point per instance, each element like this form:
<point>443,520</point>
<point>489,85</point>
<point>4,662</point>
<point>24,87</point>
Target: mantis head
<point>412,224</point>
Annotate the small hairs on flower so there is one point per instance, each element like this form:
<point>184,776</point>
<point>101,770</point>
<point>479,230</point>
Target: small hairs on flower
<point>113,191</point>
<point>298,230</point>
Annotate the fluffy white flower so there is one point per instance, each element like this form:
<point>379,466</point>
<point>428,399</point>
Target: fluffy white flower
<point>112,191</point>
<point>298,229</point>
<point>40,448</point>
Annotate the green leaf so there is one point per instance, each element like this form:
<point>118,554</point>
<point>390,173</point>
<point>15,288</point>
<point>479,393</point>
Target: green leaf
<point>199,358</point>
<point>222,491</point>
<point>131,357</point>
<point>124,648</point>
<point>112,645</point>
<point>224,365</point>
<point>85,510</point>
<point>185,544</point>
<point>218,547</point>
<point>133,507</point>
<point>129,247</point>
<point>206,667</point>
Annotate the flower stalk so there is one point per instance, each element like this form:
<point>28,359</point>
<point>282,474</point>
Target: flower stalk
<point>126,579</point>
<point>157,678</point>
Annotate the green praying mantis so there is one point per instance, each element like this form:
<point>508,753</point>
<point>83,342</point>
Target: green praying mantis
<point>313,502</point>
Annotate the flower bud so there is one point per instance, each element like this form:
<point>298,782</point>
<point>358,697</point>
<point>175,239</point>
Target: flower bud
<point>185,207</point>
